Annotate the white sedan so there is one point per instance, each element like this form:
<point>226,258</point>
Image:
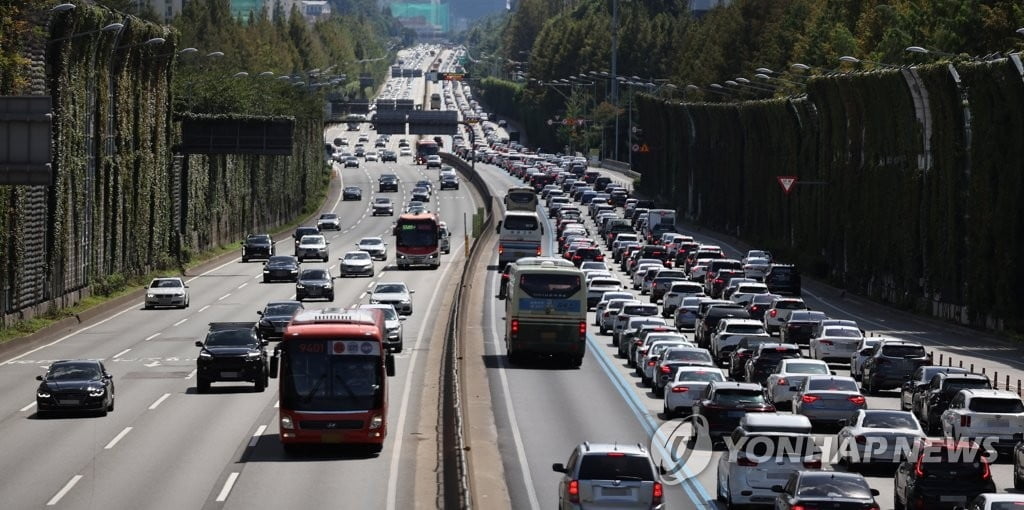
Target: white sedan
<point>687,387</point>
<point>166,292</point>
<point>784,382</point>
<point>836,343</point>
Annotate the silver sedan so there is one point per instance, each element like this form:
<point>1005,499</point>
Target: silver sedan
<point>828,399</point>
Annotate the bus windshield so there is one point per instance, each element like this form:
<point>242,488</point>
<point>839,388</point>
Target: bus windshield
<point>313,381</point>
<point>418,234</point>
<point>426,148</point>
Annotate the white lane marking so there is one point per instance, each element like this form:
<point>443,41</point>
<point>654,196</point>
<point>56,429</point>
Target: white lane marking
<point>154,335</point>
<point>277,404</point>
<point>228,484</point>
<point>153,364</point>
<point>225,296</point>
<point>361,296</point>
<point>192,373</point>
<point>513,423</point>
<point>203,309</point>
<point>26,408</point>
<point>69,335</point>
<point>122,353</point>
<point>293,297</point>
<point>257,277</point>
<point>368,285</point>
<point>256,435</point>
<point>67,488</point>
<point>159,401</point>
<point>117,438</point>
<point>182,321</point>
<point>242,286</point>
<point>396,451</point>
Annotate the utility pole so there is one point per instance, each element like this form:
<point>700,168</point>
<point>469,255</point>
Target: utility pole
<point>615,71</point>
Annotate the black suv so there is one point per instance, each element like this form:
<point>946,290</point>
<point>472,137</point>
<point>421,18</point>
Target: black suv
<point>943,475</point>
<point>388,155</point>
<point>257,246</point>
<point>232,352</point>
<point>303,231</point>
<point>783,279</point>
<point>387,182</point>
<point>932,401</point>
<point>275,317</point>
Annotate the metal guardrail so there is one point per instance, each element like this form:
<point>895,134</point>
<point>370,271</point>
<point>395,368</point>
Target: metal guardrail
<point>455,477</point>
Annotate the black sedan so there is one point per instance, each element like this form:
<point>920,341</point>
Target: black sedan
<point>352,193</point>
<point>314,283</point>
<point>275,317</point>
<point>75,385</point>
<point>825,489</point>
<point>388,155</point>
<point>281,267</point>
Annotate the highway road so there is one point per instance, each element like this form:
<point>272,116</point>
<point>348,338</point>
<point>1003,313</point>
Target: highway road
<point>542,411</point>
<point>165,446</point>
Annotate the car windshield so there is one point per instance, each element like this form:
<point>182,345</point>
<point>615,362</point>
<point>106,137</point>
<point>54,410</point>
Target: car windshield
<point>229,338</point>
<point>903,351</point>
<point>889,420</point>
<point>739,397</point>
<point>315,382</point>
<point>314,274</point>
<point>371,241</point>
<point>615,467</point>
<point>807,368</point>
<point>328,216</point>
<point>821,485</point>
<point>389,288</point>
<point>164,284</point>
<point>996,405</point>
<point>389,312</point>
<point>384,201</point>
<point>74,372</point>
<point>357,256</point>
<point>699,375</point>
<point>281,309</point>
<point>312,240</point>
<point>259,239</point>
<point>282,259</point>
<point>832,385</point>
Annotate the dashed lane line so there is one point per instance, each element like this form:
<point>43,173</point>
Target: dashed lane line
<point>159,401</point>
<point>226,490</point>
<point>117,438</point>
<point>256,435</point>
<point>122,353</point>
<point>154,335</point>
<point>182,321</point>
<point>63,492</point>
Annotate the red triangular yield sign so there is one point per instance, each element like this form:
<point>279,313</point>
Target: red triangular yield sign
<point>787,182</point>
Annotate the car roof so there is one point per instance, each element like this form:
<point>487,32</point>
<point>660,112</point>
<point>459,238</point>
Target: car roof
<point>601,448</point>
<point>736,385</point>
<point>757,420</point>
<point>747,322</point>
<point>972,393</point>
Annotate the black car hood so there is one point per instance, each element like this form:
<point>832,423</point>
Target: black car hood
<point>79,384</point>
<point>232,350</point>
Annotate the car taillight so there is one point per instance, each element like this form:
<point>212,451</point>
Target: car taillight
<point>501,249</point>
<point>577,257</point>
<point>798,507</point>
<point>719,281</point>
<point>652,363</point>
<point>813,464</point>
<point>782,381</point>
<point>659,492</point>
<point>599,258</point>
<point>809,399</point>
<point>538,251</point>
<point>514,326</point>
<point>986,473</point>
<point>965,421</point>
<point>754,308</point>
<point>919,467</point>
<point>574,491</point>
<point>504,277</point>
<point>773,314</point>
<point>857,400</point>
<point>680,389</point>
<point>746,462</point>
<point>860,439</point>
<point>665,369</point>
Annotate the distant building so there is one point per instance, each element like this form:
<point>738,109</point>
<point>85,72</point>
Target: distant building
<point>429,18</point>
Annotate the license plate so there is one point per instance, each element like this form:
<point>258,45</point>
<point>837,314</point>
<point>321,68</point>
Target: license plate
<point>953,499</point>
<point>68,402</point>
<point>548,336</point>
<point>332,437</point>
<point>229,374</point>
<point>615,491</point>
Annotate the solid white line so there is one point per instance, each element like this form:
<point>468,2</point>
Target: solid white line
<point>225,296</point>
<point>182,321</point>
<point>159,401</point>
<point>69,335</point>
<point>203,309</point>
<point>277,404</point>
<point>192,373</point>
<point>117,438</point>
<point>122,353</point>
<point>228,484</point>
<point>256,435</point>
<point>56,497</point>
<point>242,286</point>
<point>396,451</point>
<point>26,408</point>
<point>513,423</point>
<point>150,337</point>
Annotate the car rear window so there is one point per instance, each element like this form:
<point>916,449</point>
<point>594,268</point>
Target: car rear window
<point>842,332</point>
<point>996,405</point>
<point>955,385</point>
<point>903,351</point>
<point>520,223</point>
<point>644,310</point>
<point>938,466</point>
<point>702,375</point>
<point>613,466</point>
<point>832,385</point>
<point>790,305</point>
<point>749,329</point>
<point>806,368</point>
<point>688,355</point>
<point>550,286</point>
<point>826,486</point>
<point>739,397</point>
<point>893,420</point>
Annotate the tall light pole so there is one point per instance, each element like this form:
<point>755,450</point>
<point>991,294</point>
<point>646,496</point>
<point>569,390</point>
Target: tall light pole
<point>615,71</point>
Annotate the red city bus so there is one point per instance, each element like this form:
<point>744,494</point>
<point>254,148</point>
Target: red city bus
<point>333,378</point>
<point>417,240</point>
<point>425,148</point>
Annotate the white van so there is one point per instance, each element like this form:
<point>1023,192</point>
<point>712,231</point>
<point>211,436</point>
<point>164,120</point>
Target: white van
<point>445,242</point>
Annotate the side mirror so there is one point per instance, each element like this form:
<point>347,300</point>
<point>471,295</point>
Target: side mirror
<point>778,488</point>
<point>264,343</point>
<point>39,378</point>
<point>412,292</point>
<point>389,365</point>
<point>108,376</point>
<point>497,229</point>
<point>259,312</point>
<point>874,492</point>
<point>558,467</point>
<point>199,343</point>
<point>834,372</point>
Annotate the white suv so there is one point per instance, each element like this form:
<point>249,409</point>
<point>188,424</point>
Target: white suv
<point>758,461</point>
<point>612,475</point>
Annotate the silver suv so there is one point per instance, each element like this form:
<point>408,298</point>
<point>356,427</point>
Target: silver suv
<point>609,476</point>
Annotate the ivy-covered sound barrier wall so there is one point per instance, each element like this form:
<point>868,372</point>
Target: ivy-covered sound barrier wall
<point>909,182</point>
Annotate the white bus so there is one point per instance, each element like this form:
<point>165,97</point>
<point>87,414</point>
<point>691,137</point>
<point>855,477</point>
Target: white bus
<point>546,312</point>
<point>521,198</point>
<point>520,234</point>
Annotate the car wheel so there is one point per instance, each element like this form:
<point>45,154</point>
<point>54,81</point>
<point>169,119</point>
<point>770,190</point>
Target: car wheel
<point>1018,484</point>
<point>245,259</point>
<point>110,408</point>
<point>147,307</point>
<point>371,273</point>
<point>603,330</point>
<point>299,297</point>
<point>266,280</point>
<point>398,347</point>
<point>330,297</point>
<point>202,386</point>
<point>261,383</point>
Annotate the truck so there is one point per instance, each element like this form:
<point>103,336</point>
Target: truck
<point>659,221</point>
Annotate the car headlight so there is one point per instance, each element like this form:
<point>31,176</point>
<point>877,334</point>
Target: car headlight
<point>150,295</point>
<point>295,270</point>
<point>328,285</point>
<point>205,355</point>
<point>299,286</point>
<point>96,392</point>
<point>286,422</point>
<point>255,354</point>
<point>376,422</point>
<point>406,301</point>
<point>43,394</point>
<point>374,301</point>
<point>266,270</point>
